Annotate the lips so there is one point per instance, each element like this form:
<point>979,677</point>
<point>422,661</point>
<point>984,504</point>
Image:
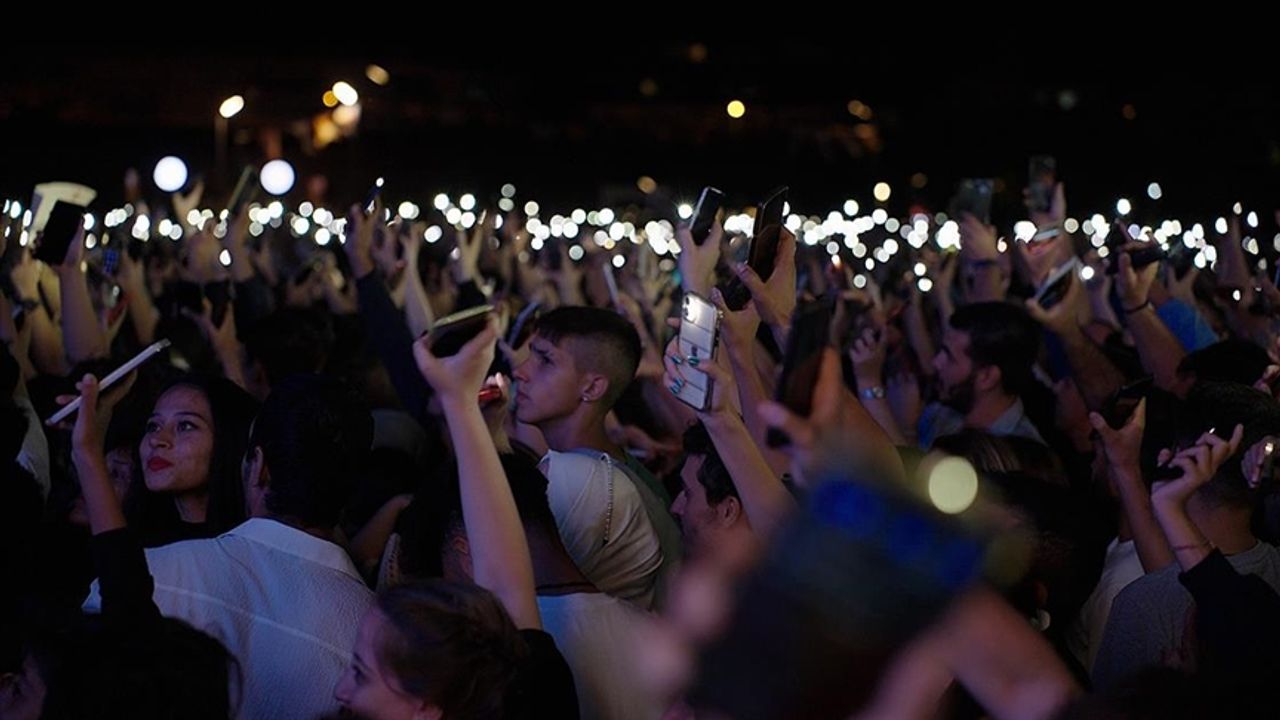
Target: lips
<point>157,464</point>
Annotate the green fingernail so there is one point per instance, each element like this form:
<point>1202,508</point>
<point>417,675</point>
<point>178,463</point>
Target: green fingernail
<point>675,388</point>
<point>693,361</point>
<point>676,359</point>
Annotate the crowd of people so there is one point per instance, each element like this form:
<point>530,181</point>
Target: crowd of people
<point>1030,473</point>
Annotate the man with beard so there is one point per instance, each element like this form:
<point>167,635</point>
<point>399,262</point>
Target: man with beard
<point>984,366</point>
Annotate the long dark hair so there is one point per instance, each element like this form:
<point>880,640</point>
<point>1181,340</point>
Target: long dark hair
<point>454,646</point>
<point>233,410</point>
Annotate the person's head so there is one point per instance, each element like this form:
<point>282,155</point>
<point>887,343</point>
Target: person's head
<point>1004,454</point>
<point>90,669</point>
<point>432,650</point>
<point>1232,361</point>
<point>448,539</point>
<point>708,506</point>
<point>1220,407</point>
<point>987,350</point>
<point>289,342</point>
<point>307,446</point>
<point>192,443</point>
<point>579,356</point>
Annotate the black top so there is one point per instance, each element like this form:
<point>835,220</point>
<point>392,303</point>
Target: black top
<point>1237,616</point>
<point>544,686</point>
<point>124,581</point>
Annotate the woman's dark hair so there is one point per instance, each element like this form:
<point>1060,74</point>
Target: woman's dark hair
<point>233,411</point>
<point>453,646</point>
<point>92,669</point>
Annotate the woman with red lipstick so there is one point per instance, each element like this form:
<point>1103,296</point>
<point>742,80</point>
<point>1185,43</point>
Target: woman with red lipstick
<point>187,480</point>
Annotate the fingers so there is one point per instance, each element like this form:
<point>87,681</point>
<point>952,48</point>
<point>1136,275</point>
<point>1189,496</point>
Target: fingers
<point>1139,417</point>
<point>796,428</point>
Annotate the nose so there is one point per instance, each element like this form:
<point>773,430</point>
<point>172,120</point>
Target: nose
<point>678,506</point>
<point>520,373</point>
<point>161,437</point>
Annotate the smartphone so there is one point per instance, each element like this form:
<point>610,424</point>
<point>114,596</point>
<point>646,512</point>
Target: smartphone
<point>1141,257</point>
<point>1041,178</point>
<point>450,333</point>
<point>810,333</point>
<point>762,254</point>
<point>1126,399</point>
<point>704,214</point>
<point>699,335</point>
<point>219,296</point>
<point>149,352</point>
<point>65,220</point>
<point>973,197</point>
<point>188,296</point>
<point>246,189</point>
<point>1055,287</point>
<point>371,197</point>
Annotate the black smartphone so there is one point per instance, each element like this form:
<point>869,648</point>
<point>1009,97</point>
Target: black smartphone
<point>187,296</point>
<point>1141,257</point>
<point>973,197</point>
<point>65,220</point>
<point>704,214</point>
<point>1042,175</point>
<point>1056,285</point>
<point>1121,406</point>
<point>246,189</point>
<point>219,295</point>
<point>810,332</point>
<point>450,333</point>
<point>371,197</point>
<point>762,254</point>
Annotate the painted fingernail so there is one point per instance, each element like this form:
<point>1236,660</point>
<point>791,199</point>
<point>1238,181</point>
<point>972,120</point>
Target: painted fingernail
<point>675,388</point>
<point>676,359</point>
<point>693,360</point>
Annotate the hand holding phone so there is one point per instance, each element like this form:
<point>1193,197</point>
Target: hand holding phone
<point>699,336</point>
<point>149,352</point>
<point>450,333</point>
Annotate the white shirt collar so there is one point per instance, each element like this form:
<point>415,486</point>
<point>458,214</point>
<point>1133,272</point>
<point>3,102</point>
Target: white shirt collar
<point>293,541</point>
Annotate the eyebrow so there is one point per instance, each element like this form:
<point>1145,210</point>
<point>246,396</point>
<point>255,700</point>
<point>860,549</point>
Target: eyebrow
<point>181,413</point>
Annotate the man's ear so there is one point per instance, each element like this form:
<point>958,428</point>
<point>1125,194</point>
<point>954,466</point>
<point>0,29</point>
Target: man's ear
<point>594,388</point>
<point>728,511</point>
<point>256,474</point>
<point>987,378</point>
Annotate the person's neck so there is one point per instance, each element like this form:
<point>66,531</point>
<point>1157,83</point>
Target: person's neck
<point>553,569</point>
<point>987,409</point>
<point>1225,526</point>
<point>192,508</point>
<point>582,429</point>
<point>293,522</point>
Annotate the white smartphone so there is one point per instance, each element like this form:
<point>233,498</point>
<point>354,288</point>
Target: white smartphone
<point>115,376</point>
<point>610,281</point>
<point>699,335</point>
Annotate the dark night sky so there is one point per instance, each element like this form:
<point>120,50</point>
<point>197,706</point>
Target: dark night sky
<point>573,126</point>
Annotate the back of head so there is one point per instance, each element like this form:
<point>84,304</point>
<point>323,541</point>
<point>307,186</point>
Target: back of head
<point>1003,336</point>
<point>1221,406</point>
<point>453,646</point>
<point>601,341</point>
<point>290,341</point>
<point>713,476</point>
<point>1233,361</point>
<point>315,435</point>
<point>94,671</point>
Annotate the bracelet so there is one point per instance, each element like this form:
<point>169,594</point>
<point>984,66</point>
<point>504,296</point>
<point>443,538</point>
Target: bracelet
<point>1139,308</point>
<point>872,393</point>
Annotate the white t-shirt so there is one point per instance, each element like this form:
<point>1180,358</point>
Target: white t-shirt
<point>1120,568</point>
<point>604,524</point>
<point>600,637</point>
<point>286,604</point>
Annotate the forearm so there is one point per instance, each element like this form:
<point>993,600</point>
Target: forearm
<point>82,336</point>
<point>499,552</point>
<point>1094,374</point>
<point>1135,501</point>
<point>764,499</point>
<point>1158,349</point>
